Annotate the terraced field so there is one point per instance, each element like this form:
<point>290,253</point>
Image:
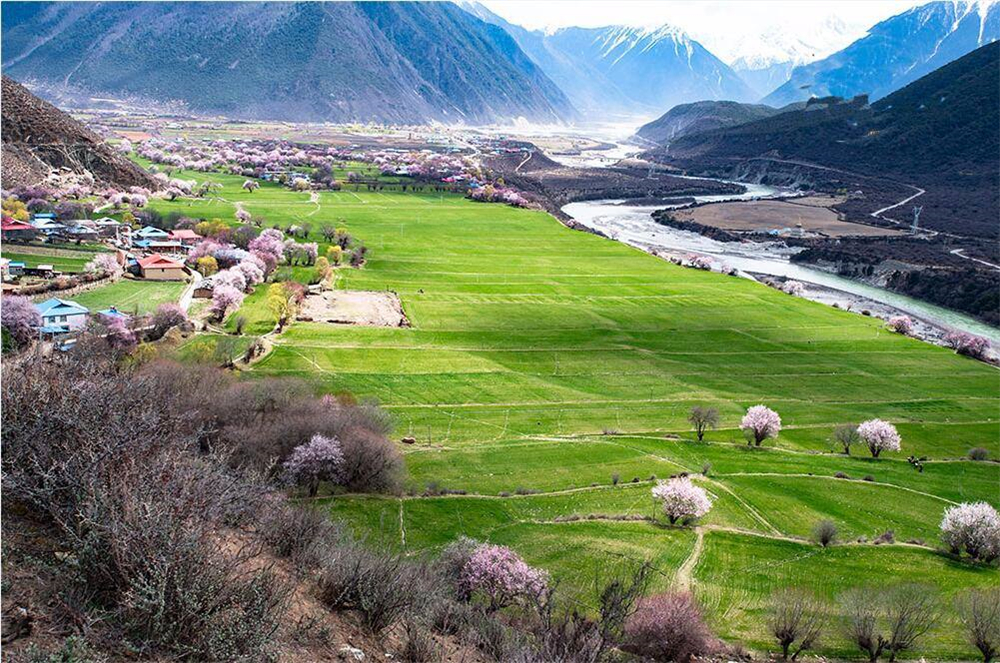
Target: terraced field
<point>69,260</point>
<point>545,359</point>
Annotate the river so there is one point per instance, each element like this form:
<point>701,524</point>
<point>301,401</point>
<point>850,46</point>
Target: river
<point>634,225</point>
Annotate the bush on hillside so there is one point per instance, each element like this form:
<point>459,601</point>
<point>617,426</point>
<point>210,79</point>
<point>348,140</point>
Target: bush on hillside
<point>825,532</point>
<point>667,627</point>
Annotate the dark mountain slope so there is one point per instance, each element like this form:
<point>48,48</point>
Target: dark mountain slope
<point>705,116</point>
<point>38,138</point>
<point>895,52</point>
<point>406,62</point>
<point>947,119</point>
<point>941,132</point>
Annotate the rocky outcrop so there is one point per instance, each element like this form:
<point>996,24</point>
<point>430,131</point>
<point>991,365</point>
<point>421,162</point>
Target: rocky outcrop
<point>38,139</point>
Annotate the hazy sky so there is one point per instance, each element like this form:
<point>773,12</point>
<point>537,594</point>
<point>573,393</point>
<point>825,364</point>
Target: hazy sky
<point>712,22</point>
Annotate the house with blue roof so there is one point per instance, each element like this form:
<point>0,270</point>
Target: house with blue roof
<point>113,313</point>
<point>61,316</point>
<point>153,234</point>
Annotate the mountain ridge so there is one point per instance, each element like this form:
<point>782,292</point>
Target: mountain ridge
<point>895,52</point>
<point>625,70</point>
<point>400,63</point>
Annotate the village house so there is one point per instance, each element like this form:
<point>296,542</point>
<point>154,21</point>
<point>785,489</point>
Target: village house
<point>112,313</point>
<point>60,316</point>
<point>13,269</point>
<point>151,233</point>
<point>185,236</point>
<point>204,288</point>
<point>13,230</point>
<point>161,246</point>
<point>161,268</point>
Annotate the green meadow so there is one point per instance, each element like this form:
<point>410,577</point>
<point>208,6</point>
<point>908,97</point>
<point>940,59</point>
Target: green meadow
<point>62,259</point>
<point>129,296</point>
<point>548,374</point>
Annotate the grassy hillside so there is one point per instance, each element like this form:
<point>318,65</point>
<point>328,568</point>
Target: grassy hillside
<point>530,341</point>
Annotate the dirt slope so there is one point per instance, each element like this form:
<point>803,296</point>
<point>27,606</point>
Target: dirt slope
<point>39,138</point>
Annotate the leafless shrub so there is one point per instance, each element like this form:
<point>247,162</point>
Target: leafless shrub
<point>381,586</point>
<point>890,622</point>
<point>617,602</point>
<point>298,533</point>
<point>495,639</point>
<point>796,622</point>
<point>449,617</point>
<point>451,562</point>
<point>978,453</point>
<point>825,532</point>
<point>667,627</point>
<point>888,536</point>
<point>980,613</point>
<point>418,644</point>
<point>566,638</point>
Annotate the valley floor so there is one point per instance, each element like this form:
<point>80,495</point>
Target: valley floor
<point>548,373</point>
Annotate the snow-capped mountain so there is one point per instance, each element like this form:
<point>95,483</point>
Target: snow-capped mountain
<point>896,52</point>
<point>625,70</point>
<point>765,60</point>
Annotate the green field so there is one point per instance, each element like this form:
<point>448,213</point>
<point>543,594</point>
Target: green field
<point>546,359</point>
<point>63,260</point>
<point>129,296</point>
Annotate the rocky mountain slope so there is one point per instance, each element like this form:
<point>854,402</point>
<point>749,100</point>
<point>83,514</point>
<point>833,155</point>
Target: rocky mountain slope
<point>624,70</point>
<point>704,116</point>
<point>390,62</point>
<point>38,138</point>
<point>895,52</point>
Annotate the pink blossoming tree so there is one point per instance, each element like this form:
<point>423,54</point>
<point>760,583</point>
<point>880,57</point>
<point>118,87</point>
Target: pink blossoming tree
<point>760,423</point>
<point>500,576</point>
<point>269,247</point>
<point>793,288</point>
<point>20,318</point>
<point>106,263</point>
<point>879,436</point>
<point>681,499</point>
<point>901,324</point>
<point>968,344</point>
<point>319,459</point>
<point>119,335</point>
<point>973,528</point>
<point>224,299</point>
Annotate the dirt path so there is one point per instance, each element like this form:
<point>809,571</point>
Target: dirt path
<point>526,160</point>
<point>685,574</point>
<point>185,301</point>
<point>961,254</point>
<point>314,199</point>
<point>919,192</point>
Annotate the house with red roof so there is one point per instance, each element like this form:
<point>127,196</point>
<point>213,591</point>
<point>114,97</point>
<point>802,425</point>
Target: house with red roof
<point>161,268</point>
<point>185,236</point>
<point>13,230</point>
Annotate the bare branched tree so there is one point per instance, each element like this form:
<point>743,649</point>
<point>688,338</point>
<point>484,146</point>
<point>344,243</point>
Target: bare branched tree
<point>703,418</point>
<point>889,622</point>
<point>980,613</point>
<point>797,621</point>
<point>846,435</point>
